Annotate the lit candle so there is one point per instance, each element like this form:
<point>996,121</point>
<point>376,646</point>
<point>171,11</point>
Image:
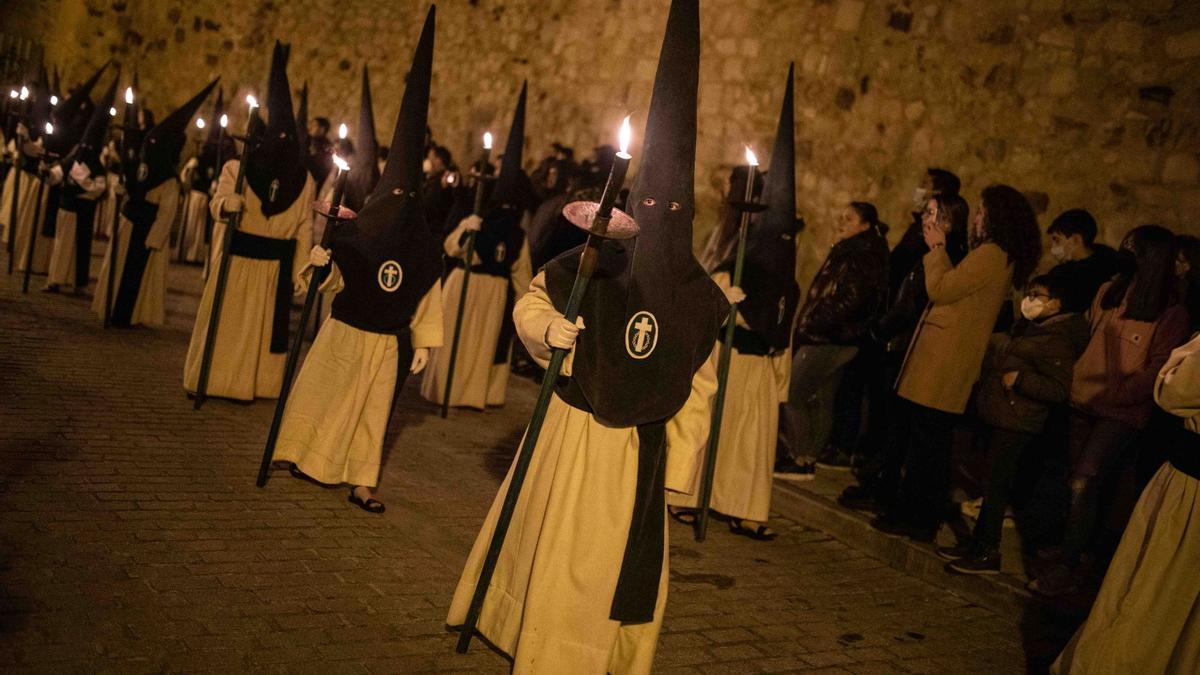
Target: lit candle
<point>112,112</point>
<point>199,122</point>
<point>483,163</point>
<point>12,93</point>
<point>49,128</point>
<point>224,120</point>
<point>339,185</point>
<point>342,130</point>
<point>128,95</point>
<point>616,176</point>
<point>24,93</point>
<point>252,103</point>
<point>752,164</point>
<point>53,100</point>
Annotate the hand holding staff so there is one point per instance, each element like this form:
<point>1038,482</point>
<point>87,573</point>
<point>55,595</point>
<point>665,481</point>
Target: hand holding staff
<point>223,269</point>
<point>597,231</point>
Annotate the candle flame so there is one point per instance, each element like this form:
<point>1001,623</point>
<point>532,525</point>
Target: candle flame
<point>24,93</point>
<point>53,100</point>
<point>343,130</point>
<point>341,163</point>
<point>751,158</point>
<point>112,112</point>
<point>12,93</point>
<point>224,121</point>
<point>199,122</point>
<point>625,135</point>
<point>49,128</point>
<point>487,140</point>
<point>450,179</point>
<point>251,101</point>
<point>128,95</point>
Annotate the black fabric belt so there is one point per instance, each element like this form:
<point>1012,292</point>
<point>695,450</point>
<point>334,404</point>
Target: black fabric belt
<point>641,567</point>
<point>85,222</point>
<point>130,287</point>
<point>1183,451</point>
<point>255,247</point>
<point>476,269</point>
<point>748,342</point>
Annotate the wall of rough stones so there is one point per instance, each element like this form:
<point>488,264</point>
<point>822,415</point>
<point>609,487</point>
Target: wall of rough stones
<point>1088,103</point>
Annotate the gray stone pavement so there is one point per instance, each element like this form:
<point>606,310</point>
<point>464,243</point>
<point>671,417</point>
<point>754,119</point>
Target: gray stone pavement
<point>132,538</point>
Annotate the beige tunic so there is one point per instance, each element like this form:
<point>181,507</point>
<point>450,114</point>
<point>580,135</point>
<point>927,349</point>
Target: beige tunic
<point>61,270</point>
<point>742,478</point>
<point>26,205</point>
<point>195,219</point>
<point>549,601</point>
<point>151,306</point>
<point>243,367</point>
<point>478,382</point>
<point>105,206</point>
<point>337,412</point>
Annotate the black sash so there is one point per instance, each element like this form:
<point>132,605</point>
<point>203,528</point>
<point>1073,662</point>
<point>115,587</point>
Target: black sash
<point>255,247</point>
<point>476,269</point>
<point>85,220</point>
<point>641,567</point>
<point>50,219</point>
<point>749,343</point>
<point>1183,451</point>
<point>136,257</point>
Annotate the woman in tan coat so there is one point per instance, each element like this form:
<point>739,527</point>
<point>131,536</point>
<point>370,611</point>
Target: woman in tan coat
<point>1145,618</point>
<point>946,353</point>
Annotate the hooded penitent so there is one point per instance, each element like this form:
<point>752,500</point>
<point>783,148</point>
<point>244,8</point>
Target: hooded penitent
<point>40,107</point>
<point>769,275</point>
<point>387,256</point>
<point>364,169</point>
<point>91,142</point>
<point>275,164</point>
<point>302,119</point>
<point>219,148</point>
<point>652,313</point>
<point>72,116</point>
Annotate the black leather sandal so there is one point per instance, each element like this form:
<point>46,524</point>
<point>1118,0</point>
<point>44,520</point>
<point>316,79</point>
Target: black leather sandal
<point>761,533</point>
<point>370,505</point>
<point>685,516</point>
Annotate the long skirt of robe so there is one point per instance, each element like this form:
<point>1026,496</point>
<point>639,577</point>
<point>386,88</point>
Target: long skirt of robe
<point>195,219</point>
<point>26,205</point>
<point>742,477</point>
<point>1146,618</point>
<point>478,382</point>
<point>104,210</point>
<point>150,309</point>
<point>337,411</point>
<point>243,367</point>
<point>61,269</point>
<point>549,601</point>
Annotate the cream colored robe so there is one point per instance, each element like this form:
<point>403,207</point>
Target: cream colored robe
<point>549,600</point>
<point>243,367</point>
<point>195,218</point>
<point>338,410</point>
<point>742,478</point>
<point>61,270</point>
<point>478,382</point>
<point>26,205</point>
<point>151,306</point>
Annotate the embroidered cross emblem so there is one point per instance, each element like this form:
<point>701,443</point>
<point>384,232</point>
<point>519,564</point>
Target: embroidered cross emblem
<point>641,335</point>
<point>274,190</point>
<point>390,275</point>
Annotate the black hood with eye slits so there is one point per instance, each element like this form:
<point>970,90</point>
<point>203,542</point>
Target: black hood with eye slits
<point>275,163</point>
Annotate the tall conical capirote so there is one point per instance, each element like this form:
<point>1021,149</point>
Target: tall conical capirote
<point>72,114</point>
<point>364,168</point>
<point>274,166</point>
<point>302,118</point>
<point>164,143</point>
<point>511,184</point>
<point>769,276</point>
<point>95,134</point>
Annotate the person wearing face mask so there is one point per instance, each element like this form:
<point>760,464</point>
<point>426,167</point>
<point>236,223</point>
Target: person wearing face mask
<point>1026,375</point>
<point>847,295</point>
<point>1136,320</point>
<point>911,248</point>
<point>1082,262</point>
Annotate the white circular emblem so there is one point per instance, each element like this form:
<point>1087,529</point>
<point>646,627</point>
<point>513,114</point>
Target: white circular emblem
<point>641,335</point>
<point>390,276</point>
<point>501,251</point>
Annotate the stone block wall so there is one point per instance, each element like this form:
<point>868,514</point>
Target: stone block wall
<point>1087,103</point>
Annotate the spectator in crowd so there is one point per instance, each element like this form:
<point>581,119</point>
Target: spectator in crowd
<point>845,298</point>
<point>1083,263</point>
<point>1026,375</point>
<point>1187,270</point>
<point>948,347</point>
<point>911,247</point>
<point>891,335</point>
<point>1144,620</point>
<point>1136,320</point>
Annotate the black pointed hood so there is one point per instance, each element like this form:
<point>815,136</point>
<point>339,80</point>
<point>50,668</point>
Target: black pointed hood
<point>769,275</point>
<point>40,108</point>
<point>55,83</point>
<point>512,185</point>
<point>219,146</point>
<point>651,311</point>
<point>163,145</point>
<point>72,115</point>
<point>302,118</point>
<point>387,256</point>
<point>274,166</point>
<point>364,169</point>
<point>94,136</point>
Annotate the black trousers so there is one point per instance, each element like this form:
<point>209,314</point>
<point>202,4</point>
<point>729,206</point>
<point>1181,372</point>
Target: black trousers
<point>1005,448</point>
<point>921,498</point>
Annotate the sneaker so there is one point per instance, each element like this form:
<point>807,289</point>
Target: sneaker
<point>834,458</point>
<point>956,552</point>
<point>1058,580</point>
<point>985,561</point>
<point>788,469</point>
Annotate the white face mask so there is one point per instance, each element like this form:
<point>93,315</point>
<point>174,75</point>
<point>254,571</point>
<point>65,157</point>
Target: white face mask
<point>918,196</point>
<point>427,166</point>
<point>1032,308</point>
<point>1059,252</point>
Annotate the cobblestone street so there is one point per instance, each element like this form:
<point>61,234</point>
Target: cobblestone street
<point>133,539</point>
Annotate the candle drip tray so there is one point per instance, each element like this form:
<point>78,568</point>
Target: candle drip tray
<point>620,226</point>
<point>326,209</point>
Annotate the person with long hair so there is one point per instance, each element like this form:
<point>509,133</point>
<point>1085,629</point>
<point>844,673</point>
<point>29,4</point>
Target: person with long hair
<point>1136,320</point>
<point>1187,270</point>
<point>947,350</point>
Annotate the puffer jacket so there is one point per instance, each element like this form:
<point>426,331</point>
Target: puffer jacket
<point>1043,354</point>
<point>848,293</point>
